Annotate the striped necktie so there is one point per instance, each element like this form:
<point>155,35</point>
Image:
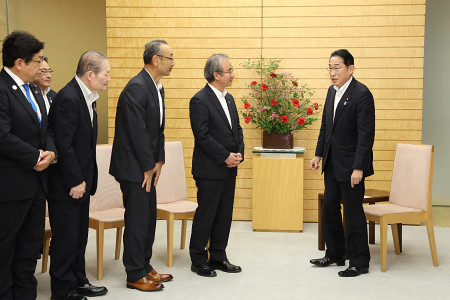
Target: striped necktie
<point>27,90</point>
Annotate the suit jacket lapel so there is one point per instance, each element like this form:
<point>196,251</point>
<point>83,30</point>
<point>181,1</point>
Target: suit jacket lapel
<point>232,110</point>
<point>17,92</point>
<point>330,108</point>
<point>343,103</point>
<point>154,91</point>
<point>216,102</point>
<point>87,116</point>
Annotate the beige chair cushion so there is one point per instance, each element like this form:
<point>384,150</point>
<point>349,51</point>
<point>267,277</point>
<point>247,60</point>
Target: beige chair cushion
<point>109,215</point>
<point>387,208</point>
<point>108,193</point>
<point>171,185</point>
<point>409,186</point>
<point>178,207</point>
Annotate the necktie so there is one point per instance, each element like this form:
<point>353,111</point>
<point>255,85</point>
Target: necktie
<point>27,90</point>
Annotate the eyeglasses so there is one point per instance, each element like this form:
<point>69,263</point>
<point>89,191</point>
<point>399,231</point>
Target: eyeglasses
<point>171,58</point>
<point>45,71</point>
<point>41,59</point>
<point>337,69</point>
<point>229,71</point>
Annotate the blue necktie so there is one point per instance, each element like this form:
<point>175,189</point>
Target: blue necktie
<point>27,90</point>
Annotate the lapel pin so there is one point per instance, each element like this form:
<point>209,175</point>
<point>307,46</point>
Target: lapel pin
<point>347,101</point>
<point>14,87</point>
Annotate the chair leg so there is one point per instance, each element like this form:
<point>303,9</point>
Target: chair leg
<point>431,240</point>
<point>170,222</point>
<point>45,250</point>
<point>118,242</point>
<point>183,233</point>
<point>371,232</point>
<point>100,240</point>
<point>383,243</point>
<point>395,237</point>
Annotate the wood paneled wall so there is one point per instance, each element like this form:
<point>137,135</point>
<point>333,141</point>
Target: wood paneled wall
<point>385,37</point>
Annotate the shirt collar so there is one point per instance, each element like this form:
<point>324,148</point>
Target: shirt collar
<point>218,93</point>
<point>344,87</point>
<point>159,85</point>
<point>16,78</point>
<point>46,90</point>
<point>88,95</point>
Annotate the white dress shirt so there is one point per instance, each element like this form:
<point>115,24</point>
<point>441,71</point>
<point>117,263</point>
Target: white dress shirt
<point>339,93</point>
<point>44,95</point>
<point>223,101</point>
<point>89,96</point>
<point>158,89</point>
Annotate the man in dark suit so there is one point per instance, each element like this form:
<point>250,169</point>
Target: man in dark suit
<point>74,178</point>
<point>218,150</point>
<point>345,144</point>
<point>42,83</point>
<point>136,161</point>
<point>26,150</point>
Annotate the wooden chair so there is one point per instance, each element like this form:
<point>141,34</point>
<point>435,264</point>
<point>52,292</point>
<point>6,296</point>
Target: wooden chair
<point>106,208</point>
<point>409,199</point>
<point>171,194</point>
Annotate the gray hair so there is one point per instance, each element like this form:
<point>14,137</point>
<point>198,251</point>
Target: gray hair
<point>90,61</point>
<point>214,64</point>
<point>152,48</point>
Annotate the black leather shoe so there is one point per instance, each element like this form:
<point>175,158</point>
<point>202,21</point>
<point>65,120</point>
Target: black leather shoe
<point>353,271</point>
<point>70,296</point>
<point>203,270</point>
<point>326,261</point>
<point>89,290</point>
<point>225,266</point>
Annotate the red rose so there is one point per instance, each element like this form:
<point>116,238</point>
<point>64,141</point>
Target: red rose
<point>295,102</point>
<point>246,105</point>
<point>295,83</point>
<point>274,102</point>
<point>316,106</point>
<point>254,83</point>
<point>284,119</point>
<point>248,119</point>
<point>264,86</point>
<point>273,75</point>
<point>301,121</point>
<point>309,111</point>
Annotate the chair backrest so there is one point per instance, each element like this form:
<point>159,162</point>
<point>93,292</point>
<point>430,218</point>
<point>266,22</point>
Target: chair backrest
<point>108,193</point>
<point>412,176</point>
<point>171,185</point>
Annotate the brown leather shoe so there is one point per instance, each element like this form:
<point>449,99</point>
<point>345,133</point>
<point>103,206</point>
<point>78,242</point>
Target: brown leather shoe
<point>145,285</point>
<point>155,276</point>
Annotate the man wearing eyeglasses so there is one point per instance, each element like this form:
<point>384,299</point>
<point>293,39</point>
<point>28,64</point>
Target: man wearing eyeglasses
<point>42,83</point>
<point>136,161</point>
<point>218,151</point>
<point>345,144</point>
<point>27,148</point>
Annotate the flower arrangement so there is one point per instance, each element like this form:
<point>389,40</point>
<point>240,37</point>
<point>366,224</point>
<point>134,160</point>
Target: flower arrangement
<point>278,103</point>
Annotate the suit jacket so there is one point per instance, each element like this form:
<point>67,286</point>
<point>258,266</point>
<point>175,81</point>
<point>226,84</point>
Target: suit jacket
<point>21,137</point>
<point>214,138</point>
<point>37,90</point>
<point>76,139</point>
<point>350,137</point>
<point>139,137</point>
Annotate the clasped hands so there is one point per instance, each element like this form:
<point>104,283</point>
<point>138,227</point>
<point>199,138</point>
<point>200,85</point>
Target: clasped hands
<point>233,160</point>
<point>46,158</point>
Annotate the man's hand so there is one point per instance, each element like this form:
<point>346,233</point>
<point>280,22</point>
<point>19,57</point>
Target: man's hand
<point>233,160</point>
<point>78,191</point>
<point>356,178</point>
<point>147,183</point>
<point>314,163</point>
<point>47,158</point>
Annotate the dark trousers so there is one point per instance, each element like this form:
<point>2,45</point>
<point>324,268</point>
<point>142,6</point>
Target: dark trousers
<point>212,219</point>
<point>70,226</point>
<point>21,236</point>
<point>140,225</point>
<point>333,232</point>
